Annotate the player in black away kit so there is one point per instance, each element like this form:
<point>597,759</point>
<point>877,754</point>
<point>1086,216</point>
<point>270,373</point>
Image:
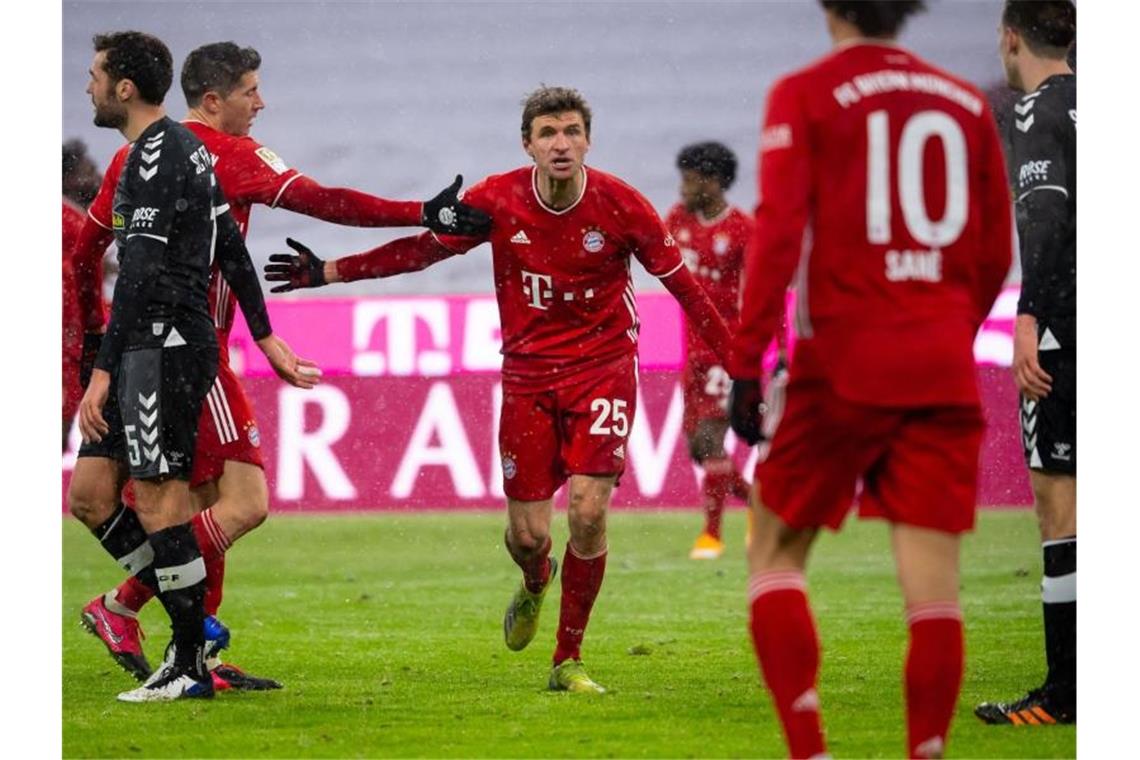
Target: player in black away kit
<point>157,360</point>
<point>1042,158</point>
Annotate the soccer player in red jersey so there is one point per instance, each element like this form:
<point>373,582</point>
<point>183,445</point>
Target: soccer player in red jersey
<point>892,171</point>
<point>221,84</point>
<point>80,183</point>
<point>562,237</point>
<point>712,236</point>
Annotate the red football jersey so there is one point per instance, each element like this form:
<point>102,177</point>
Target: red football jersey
<point>562,278</point>
<point>882,177</point>
<point>72,323</point>
<point>102,207</point>
<point>713,250</point>
<point>248,173</point>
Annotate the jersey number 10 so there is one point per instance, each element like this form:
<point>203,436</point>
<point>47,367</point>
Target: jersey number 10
<point>918,129</point>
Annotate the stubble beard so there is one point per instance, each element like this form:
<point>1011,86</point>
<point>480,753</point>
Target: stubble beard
<point>107,115</point>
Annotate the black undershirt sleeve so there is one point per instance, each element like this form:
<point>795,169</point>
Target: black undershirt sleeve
<point>241,275</point>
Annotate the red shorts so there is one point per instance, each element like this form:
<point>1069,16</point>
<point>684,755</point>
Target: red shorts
<point>578,430</point>
<point>226,429</point>
<point>706,394</point>
<point>916,466</point>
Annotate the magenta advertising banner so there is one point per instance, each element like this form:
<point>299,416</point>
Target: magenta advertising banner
<point>407,415</point>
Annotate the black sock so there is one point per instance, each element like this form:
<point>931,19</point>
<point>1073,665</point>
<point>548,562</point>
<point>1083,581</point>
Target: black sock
<point>1059,598</point>
<point>181,575</point>
<point>123,537</point>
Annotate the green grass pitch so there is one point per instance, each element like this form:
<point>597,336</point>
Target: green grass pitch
<point>386,631</point>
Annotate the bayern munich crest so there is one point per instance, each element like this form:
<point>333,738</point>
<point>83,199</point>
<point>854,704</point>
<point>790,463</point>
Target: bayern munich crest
<point>254,436</point>
<point>593,241</point>
<point>510,469</point>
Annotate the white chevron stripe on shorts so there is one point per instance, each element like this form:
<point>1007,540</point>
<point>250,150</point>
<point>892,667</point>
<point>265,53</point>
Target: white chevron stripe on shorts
<point>220,411</point>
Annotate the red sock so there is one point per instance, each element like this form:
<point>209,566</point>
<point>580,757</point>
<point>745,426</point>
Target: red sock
<point>934,664</point>
<point>213,543</point>
<point>719,473</point>
<point>535,565</point>
<point>133,593</point>
<point>581,579</point>
<point>787,647</point>
<point>215,577</point>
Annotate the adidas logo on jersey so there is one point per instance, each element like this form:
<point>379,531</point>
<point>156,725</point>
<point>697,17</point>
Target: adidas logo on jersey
<point>520,238</point>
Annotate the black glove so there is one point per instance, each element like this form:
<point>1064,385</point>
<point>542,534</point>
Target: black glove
<point>444,213</point>
<point>91,343</point>
<point>744,410</point>
<point>302,270</point>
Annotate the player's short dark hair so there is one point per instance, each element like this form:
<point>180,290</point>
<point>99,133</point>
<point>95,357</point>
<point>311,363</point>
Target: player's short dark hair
<point>875,18</point>
<point>74,152</point>
<point>1049,27</point>
<point>547,101</point>
<point>709,159</point>
<point>140,57</point>
<point>216,67</point>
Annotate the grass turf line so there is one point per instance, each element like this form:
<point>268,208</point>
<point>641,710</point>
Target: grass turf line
<point>387,633</point>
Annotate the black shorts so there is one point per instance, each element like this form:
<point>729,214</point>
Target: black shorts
<point>1049,427</point>
<point>153,410</point>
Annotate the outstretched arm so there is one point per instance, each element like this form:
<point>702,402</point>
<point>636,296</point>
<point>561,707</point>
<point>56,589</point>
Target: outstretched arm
<point>340,205</point>
<point>304,269</point>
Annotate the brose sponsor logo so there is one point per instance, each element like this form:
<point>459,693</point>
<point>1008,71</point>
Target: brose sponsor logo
<point>143,217</point>
<point>1033,171</point>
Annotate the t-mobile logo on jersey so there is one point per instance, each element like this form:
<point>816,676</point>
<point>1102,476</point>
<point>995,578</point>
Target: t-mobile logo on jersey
<point>537,287</point>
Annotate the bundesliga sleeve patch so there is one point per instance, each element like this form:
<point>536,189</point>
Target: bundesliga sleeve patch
<point>272,160</point>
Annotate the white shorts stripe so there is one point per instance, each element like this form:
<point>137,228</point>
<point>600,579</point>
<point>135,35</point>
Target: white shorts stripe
<point>213,404</point>
<point>224,403</point>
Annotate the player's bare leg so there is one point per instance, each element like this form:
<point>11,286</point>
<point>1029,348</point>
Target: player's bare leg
<point>528,541</point>
<point>164,509</point>
<point>1055,500</point>
<point>93,498</point>
<point>783,631</point>
<point>928,571</point>
<point>583,568</point>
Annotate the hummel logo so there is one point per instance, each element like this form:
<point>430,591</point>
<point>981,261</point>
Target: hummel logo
<point>146,174</point>
<point>1023,125</point>
<point>520,238</point>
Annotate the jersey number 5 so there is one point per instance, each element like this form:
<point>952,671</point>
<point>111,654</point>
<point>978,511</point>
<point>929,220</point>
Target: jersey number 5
<point>918,129</point>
